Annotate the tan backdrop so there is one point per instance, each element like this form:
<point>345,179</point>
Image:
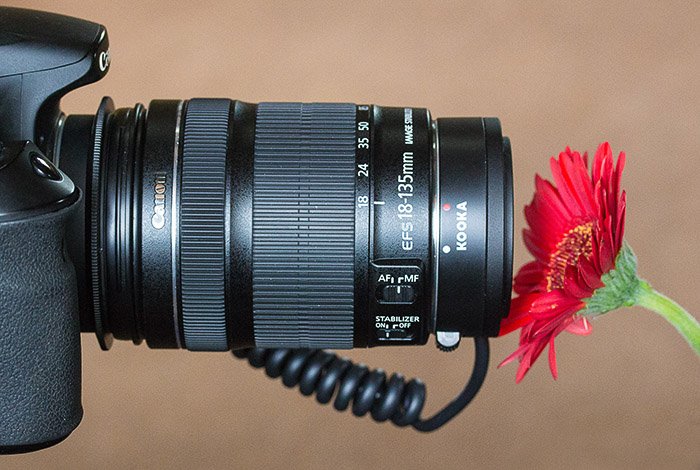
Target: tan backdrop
<point>575,74</point>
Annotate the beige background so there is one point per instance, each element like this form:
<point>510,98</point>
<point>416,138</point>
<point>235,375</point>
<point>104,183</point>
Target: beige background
<point>576,74</point>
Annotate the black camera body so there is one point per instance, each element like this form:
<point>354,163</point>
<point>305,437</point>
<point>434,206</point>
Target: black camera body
<point>42,57</point>
<point>39,323</point>
<point>270,229</point>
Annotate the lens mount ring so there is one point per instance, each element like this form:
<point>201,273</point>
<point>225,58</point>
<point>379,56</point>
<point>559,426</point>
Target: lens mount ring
<point>96,223</point>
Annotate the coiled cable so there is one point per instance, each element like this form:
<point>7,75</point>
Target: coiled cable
<point>367,390</point>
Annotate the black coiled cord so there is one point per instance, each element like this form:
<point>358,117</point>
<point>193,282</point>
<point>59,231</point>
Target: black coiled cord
<point>369,391</point>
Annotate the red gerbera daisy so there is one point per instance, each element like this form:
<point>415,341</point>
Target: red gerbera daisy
<point>575,233</point>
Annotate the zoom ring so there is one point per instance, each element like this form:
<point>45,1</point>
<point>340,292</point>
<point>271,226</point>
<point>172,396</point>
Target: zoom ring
<point>304,225</point>
<point>202,219</point>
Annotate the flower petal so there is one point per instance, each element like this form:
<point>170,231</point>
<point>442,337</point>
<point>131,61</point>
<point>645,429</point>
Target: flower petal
<point>532,242</point>
<point>529,278</point>
<point>563,184</point>
<point>519,314</point>
<point>620,223</point>
<point>601,154</point>
<point>553,359</point>
<point>580,326</point>
<point>513,356</point>
<point>552,304</point>
<point>589,274</point>
<point>574,169</point>
<point>550,199</point>
<point>573,287</point>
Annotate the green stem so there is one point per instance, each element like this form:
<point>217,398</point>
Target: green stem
<point>676,315</point>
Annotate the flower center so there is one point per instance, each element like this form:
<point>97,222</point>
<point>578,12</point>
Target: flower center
<point>575,242</point>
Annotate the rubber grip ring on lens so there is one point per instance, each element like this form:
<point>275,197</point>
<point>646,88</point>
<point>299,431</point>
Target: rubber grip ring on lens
<point>202,219</point>
<point>304,225</point>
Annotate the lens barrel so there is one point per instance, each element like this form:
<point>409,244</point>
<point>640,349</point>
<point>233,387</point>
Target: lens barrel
<point>212,224</point>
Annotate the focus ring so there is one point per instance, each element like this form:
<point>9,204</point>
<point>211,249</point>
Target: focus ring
<point>202,219</point>
<point>303,225</point>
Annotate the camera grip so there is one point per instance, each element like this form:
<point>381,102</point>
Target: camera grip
<point>39,334</point>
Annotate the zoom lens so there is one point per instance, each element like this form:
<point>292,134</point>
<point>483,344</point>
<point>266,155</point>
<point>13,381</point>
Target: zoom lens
<point>213,224</point>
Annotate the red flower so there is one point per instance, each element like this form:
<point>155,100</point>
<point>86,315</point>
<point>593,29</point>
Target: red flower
<point>575,234</point>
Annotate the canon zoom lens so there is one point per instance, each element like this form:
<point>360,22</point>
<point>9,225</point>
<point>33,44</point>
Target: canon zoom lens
<point>213,224</point>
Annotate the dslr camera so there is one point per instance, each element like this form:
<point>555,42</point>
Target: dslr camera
<point>273,230</point>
